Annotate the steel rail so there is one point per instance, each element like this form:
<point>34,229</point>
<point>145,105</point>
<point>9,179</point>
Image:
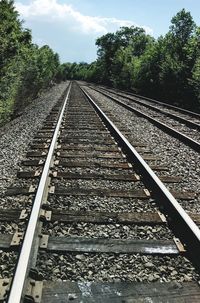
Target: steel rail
<point>18,283</point>
<point>173,116</point>
<point>178,135</point>
<point>182,110</point>
<point>181,218</point>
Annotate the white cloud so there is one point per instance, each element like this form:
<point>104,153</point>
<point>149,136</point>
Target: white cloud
<point>51,10</point>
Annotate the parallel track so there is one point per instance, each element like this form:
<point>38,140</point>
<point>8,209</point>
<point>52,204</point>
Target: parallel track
<point>167,127</point>
<point>86,145</point>
<point>162,104</point>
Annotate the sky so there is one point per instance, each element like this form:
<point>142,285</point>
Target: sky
<point>71,27</point>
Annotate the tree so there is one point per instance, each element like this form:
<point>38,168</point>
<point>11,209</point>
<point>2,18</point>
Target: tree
<point>40,67</point>
<point>125,59</point>
<point>178,60</point>
<point>182,28</point>
<point>25,68</point>
<point>115,51</point>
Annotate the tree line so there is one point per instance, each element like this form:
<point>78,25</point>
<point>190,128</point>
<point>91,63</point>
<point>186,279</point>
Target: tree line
<point>167,68</point>
<point>25,68</point>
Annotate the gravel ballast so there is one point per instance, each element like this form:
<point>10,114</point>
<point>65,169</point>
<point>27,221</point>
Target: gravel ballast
<point>115,268</point>
<point>191,132</point>
<point>180,159</point>
<point>97,203</point>
<point>105,266</point>
<point>114,231</point>
<point>7,264</point>
<point>17,134</point>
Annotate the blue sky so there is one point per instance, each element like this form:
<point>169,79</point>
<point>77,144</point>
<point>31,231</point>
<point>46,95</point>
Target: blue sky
<point>70,27</point>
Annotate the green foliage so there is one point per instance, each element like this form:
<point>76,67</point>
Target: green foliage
<point>195,81</point>
<point>182,28</point>
<point>115,52</point>
<point>40,67</point>
<point>25,69</point>
<point>167,68</point>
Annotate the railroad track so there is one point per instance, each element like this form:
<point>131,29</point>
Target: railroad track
<point>182,124</point>
<point>93,222</point>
